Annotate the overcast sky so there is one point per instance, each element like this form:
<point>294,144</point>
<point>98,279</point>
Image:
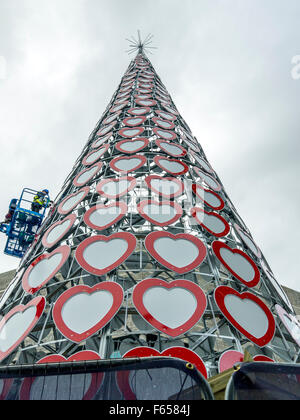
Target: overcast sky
<point>226,63</point>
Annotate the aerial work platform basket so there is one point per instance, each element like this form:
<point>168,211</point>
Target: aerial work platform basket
<point>22,228</point>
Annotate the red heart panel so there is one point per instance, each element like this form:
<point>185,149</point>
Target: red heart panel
<point>165,115</point>
<point>118,107</point>
<point>102,216</point>
<point>101,140</point>
<point>181,253</point>
<point>172,166</point>
<point>247,313</point>
<point>85,355</point>
<point>170,109</point>
<point>57,231</point>
<point>212,222</point>
<point>134,121</point>
<point>142,96</point>
<point>87,174</point>
<point>126,164</point>
<point>139,111</point>
<point>95,155</point>
<point>202,162</point>
<point>210,181</point>
<point>101,254</point>
<point>44,268</point>
<point>208,197</point>
<point>166,125</point>
<point>290,322</point>
<point>231,357</point>
<point>111,118</point>
<point>132,146</point>
<point>82,311</point>
<point>104,130</point>
<point>172,308</point>
<point>166,187</point>
<point>238,263</point>
<point>72,200</point>
<point>171,149</point>
<point>177,352</point>
<point>164,134</point>
<point>116,187</point>
<point>146,102</point>
<point>17,324</point>
<point>247,240</point>
<point>129,132</point>
<point>160,213</point>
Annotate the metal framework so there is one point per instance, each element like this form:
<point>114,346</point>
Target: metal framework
<point>142,101</point>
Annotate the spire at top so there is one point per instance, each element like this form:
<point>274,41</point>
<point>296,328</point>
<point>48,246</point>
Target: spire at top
<point>139,46</point>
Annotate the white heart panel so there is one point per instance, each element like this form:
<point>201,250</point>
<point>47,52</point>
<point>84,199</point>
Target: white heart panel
<point>170,166</point>
<point>82,311</point>
<point>103,217</point>
<point>161,213</point>
<point>115,188</point>
<point>213,223</point>
<point>171,307</point>
<point>238,264</point>
<point>127,164</point>
<point>179,252</point>
<point>43,269</point>
<point>132,145</point>
<point>57,231</point>
<point>248,314</point>
<point>165,187</point>
<point>103,254</point>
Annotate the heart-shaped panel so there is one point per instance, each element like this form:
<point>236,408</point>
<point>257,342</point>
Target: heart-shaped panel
<point>131,132</point>
<point>101,254</point>
<point>132,146</point>
<point>57,231</point>
<point>238,263</point>
<point>164,134</point>
<point>166,187</point>
<point>214,223</point>
<point>87,174</point>
<point>101,140</point>
<point>116,187</point>
<point>82,311</point>
<point>290,322</point>
<point>181,253</point>
<point>134,121</point>
<point>160,213</point>
<point>208,179</point>
<point>72,200</point>
<point>95,155</point>
<point>172,308</point>
<point>17,324</point>
<point>125,164</point>
<point>44,268</point>
<point>102,216</point>
<point>104,130</point>
<point>171,149</point>
<point>139,111</point>
<point>208,197</point>
<point>172,166</point>
<point>247,313</point>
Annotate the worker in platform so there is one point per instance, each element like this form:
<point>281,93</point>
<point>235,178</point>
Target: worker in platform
<point>40,200</point>
<point>11,210</point>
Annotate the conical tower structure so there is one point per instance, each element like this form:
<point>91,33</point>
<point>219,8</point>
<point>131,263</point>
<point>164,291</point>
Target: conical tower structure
<point>143,253</point>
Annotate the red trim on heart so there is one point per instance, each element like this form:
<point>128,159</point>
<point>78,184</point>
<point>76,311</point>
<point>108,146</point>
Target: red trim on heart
<point>39,303</point>
<point>64,250</point>
<point>111,118</point>
<point>104,130</point>
<point>114,288</point>
<point>101,184</point>
<point>240,233</point>
<point>113,163</point>
<point>199,160</point>
<point>85,161</point>
<point>160,123</point>
<point>180,184</point>
<point>178,352</point>
<point>101,140</point>
<point>293,319</point>
<point>154,236</point>
<point>131,132</point>
<point>160,143</point>
<point>132,111</point>
<point>7,383</point>
<point>71,218</point>
<point>79,253</point>
<point>85,355</point>
<point>173,204</point>
<point>163,114</point>
<point>196,210</point>
<point>143,96</point>
<point>97,167</point>
<point>60,210</point>
<point>220,294</point>
<point>120,204</point>
<point>165,134</point>
<point>170,109</point>
<point>134,121</point>
<point>120,144</point>
<point>228,359</point>
<point>116,108</point>
<point>195,188</point>
<point>146,102</point>
<point>143,286</point>
<point>200,174</point>
<point>157,160</point>
<point>218,245</point>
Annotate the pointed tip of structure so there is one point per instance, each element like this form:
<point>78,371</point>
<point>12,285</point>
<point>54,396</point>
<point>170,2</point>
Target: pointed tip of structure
<point>140,46</point>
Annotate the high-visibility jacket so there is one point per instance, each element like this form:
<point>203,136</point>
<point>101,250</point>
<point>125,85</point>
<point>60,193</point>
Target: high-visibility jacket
<point>40,199</point>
